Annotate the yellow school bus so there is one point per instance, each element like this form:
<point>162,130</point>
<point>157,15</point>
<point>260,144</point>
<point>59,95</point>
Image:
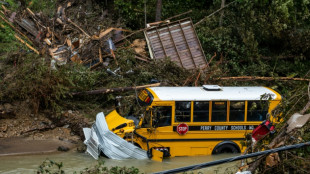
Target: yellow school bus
<point>188,121</point>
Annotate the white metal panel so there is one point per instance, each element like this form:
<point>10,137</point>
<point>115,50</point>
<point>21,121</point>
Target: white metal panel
<point>91,140</point>
<point>200,94</point>
<point>109,143</point>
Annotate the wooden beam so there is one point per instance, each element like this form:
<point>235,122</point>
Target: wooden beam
<point>69,20</point>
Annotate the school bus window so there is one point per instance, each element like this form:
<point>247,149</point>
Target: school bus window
<point>162,116</point>
<point>237,109</point>
<point>257,110</point>
<point>219,111</point>
<point>182,111</point>
<point>201,111</point>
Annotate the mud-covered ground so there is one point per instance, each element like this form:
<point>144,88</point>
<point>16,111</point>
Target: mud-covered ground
<point>24,133</point>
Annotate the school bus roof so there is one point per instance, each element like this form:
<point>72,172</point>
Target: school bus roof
<point>201,94</point>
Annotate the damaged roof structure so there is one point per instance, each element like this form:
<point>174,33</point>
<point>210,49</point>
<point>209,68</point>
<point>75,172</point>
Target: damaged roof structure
<point>178,41</point>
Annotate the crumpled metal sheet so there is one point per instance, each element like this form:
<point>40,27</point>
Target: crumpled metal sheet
<point>109,143</point>
<point>91,140</point>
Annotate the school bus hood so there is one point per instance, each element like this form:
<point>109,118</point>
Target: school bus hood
<point>116,122</point>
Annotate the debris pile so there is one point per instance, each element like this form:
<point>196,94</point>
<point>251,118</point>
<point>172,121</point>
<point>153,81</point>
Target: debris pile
<point>64,39</point>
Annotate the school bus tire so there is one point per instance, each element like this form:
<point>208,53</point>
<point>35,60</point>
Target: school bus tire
<point>226,147</point>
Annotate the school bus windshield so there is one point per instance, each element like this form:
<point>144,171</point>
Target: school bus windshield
<point>157,116</point>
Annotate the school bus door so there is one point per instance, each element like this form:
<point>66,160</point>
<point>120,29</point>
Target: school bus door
<point>161,121</point>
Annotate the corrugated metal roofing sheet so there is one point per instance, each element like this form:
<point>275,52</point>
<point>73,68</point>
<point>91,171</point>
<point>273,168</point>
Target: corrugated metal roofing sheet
<point>99,137</point>
<point>178,41</point>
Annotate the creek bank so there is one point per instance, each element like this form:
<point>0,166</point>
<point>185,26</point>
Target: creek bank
<point>28,146</point>
<point>23,133</point>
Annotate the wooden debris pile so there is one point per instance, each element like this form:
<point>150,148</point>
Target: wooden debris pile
<point>65,37</point>
<point>62,38</point>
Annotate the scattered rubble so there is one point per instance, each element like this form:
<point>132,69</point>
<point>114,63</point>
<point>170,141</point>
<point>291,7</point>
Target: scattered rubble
<point>62,38</point>
<point>65,40</point>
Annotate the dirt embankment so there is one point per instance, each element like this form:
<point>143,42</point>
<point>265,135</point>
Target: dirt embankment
<point>24,133</point>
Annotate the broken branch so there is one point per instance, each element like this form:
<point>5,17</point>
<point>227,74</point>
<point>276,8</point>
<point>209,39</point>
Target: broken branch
<point>141,58</point>
<point>102,34</point>
<point>209,61</point>
<point>196,82</point>
<point>30,47</point>
<point>110,90</point>
<point>129,35</point>
<point>15,29</point>
<point>178,15</point>
<point>220,9</point>
<point>69,20</point>
<point>95,66</point>
<point>100,55</point>
<point>33,16</point>
<point>249,78</point>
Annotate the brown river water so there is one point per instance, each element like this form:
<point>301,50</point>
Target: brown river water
<point>74,161</point>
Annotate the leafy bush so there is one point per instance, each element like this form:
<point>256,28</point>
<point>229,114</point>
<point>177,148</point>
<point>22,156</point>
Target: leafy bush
<point>30,77</point>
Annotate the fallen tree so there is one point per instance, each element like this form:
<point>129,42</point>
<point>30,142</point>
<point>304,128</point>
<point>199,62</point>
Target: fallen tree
<point>110,90</point>
<point>249,78</point>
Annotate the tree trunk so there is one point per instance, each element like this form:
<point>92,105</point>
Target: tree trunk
<point>222,13</point>
<point>158,10</point>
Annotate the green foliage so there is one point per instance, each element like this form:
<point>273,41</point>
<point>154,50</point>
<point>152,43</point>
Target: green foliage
<point>30,77</point>
<point>133,11</point>
<point>47,7</point>
<point>34,81</point>
<point>52,167</point>
<point>8,42</point>
<point>13,4</point>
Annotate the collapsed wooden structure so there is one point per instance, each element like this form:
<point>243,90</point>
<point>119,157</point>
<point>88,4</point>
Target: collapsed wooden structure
<point>177,41</point>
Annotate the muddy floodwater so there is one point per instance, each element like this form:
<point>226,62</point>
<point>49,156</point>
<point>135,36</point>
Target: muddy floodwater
<point>74,161</point>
